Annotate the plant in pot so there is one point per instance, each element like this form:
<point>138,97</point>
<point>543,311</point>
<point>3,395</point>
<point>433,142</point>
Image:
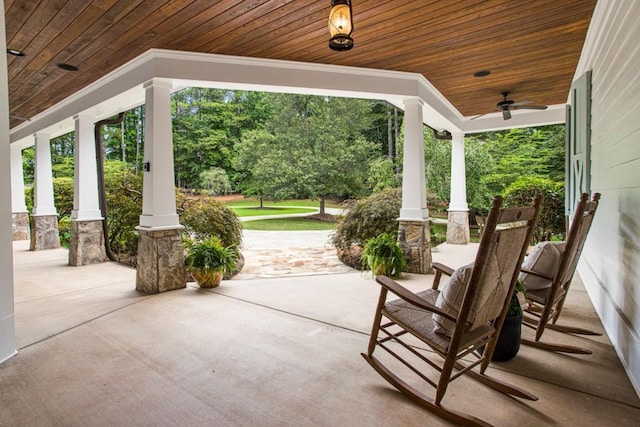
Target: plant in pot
<point>383,256</point>
<point>209,260</point>
<point>509,339</point>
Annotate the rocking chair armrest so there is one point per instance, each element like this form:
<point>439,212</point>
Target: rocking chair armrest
<point>405,294</point>
<point>535,273</point>
<point>440,269</point>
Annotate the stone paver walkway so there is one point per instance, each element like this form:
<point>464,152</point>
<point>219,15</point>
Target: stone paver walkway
<point>290,261</point>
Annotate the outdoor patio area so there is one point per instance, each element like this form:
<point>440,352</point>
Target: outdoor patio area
<point>261,351</point>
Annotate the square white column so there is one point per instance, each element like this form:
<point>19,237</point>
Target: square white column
<point>414,191</point>
<point>43,202</point>
<point>18,204</point>
<point>7,331</point>
<point>458,193</point>
<point>158,188</point>
<point>86,205</point>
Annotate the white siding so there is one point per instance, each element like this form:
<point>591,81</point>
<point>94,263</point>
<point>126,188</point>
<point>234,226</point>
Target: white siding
<point>610,264</point>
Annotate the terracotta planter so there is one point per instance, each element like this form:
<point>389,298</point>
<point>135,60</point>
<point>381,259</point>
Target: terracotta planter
<point>207,278</point>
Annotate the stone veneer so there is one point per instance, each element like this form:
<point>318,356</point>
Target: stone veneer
<point>87,243</point>
<point>414,238</point>
<point>160,261</point>
<point>21,228</point>
<point>458,228</point>
<point>44,234</point>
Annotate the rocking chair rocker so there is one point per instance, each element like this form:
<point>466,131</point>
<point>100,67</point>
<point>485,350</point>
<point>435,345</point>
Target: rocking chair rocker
<point>476,323</point>
<point>545,305</point>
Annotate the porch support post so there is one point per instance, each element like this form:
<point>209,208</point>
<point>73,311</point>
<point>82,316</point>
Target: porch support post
<point>45,217</point>
<point>458,220</point>
<point>413,235</point>
<point>19,213</point>
<point>160,251</point>
<point>87,240</point>
<point>7,329</point>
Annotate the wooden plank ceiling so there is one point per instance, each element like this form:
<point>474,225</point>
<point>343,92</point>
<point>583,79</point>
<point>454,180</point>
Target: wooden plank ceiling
<point>530,47</point>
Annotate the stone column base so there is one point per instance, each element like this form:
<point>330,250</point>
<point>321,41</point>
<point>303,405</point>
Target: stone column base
<point>87,243</point>
<point>160,261</point>
<point>20,226</point>
<point>414,238</point>
<point>458,228</point>
<point>44,234</point>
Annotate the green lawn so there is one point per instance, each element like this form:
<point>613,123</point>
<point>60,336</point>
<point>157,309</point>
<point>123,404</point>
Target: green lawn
<point>255,211</point>
<point>267,203</point>
<point>288,224</point>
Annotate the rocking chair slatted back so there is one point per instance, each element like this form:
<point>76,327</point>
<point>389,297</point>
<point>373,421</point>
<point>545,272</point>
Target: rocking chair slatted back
<point>552,299</point>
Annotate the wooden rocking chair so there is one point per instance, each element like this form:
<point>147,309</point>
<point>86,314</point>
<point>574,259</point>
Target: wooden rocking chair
<point>477,323</point>
<point>545,305</point>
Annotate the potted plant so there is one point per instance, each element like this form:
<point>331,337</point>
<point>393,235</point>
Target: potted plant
<point>209,260</point>
<point>509,339</point>
<point>383,256</point>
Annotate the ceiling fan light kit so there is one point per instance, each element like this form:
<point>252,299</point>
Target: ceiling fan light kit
<point>341,25</point>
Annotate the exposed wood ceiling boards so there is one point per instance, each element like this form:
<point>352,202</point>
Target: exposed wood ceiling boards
<point>531,46</point>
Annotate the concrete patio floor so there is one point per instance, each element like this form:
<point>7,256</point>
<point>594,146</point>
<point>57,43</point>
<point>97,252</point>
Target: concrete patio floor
<point>261,352</point>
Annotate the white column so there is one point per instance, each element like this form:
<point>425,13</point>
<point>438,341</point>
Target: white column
<point>43,203</point>
<point>7,334</point>
<point>158,188</point>
<point>86,205</point>
<point>414,192</point>
<point>458,195</point>
<point>18,204</point>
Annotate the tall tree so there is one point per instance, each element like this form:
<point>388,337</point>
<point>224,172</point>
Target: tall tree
<point>316,148</point>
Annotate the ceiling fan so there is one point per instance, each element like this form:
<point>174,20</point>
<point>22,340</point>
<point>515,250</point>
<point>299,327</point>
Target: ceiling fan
<point>506,105</point>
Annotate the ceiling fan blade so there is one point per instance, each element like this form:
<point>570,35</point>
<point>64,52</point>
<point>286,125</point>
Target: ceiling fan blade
<point>519,103</point>
<point>478,116</point>
<point>506,114</point>
<point>532,107</point>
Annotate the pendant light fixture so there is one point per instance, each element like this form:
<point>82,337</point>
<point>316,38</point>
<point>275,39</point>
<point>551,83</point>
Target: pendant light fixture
<point>340,25</point>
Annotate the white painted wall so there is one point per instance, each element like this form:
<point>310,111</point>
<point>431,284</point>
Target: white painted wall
<point>7,340</point>
<point>610,264</point>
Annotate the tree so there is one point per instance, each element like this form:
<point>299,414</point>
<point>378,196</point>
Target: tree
<point>317,148</point>
<point>215,181</point>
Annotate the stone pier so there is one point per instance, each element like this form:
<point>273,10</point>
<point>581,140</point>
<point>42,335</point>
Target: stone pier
<point>45,233</point>
<point>87,243</point>
<point>20,226</point>
<point>415,239</point>
<point>160,261</point>
<point>458,228</point>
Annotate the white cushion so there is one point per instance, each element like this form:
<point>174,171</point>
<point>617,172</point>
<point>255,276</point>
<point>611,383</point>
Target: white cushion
<point>544,259</point>
<point>450,299</point>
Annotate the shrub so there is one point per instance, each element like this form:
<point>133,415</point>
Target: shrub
<point>64,230</point>
<point>208,218</point>
<point>62,196</point>
<point>551,221</point>
<point>124,206</point>
<point>367,218</point>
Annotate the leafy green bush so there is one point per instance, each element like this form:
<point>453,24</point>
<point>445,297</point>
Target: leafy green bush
<point>124,206</point>
<point>551,221</point>
<point>368,218</point>
<point>64,230</point>
<point>383,255</point>
<point>207,218</point>
<point>62,196</point>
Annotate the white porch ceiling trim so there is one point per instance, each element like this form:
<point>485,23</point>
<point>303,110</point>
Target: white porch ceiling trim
<point>122,90</point>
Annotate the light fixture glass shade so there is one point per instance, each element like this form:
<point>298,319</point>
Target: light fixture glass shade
<point>340,25</point>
